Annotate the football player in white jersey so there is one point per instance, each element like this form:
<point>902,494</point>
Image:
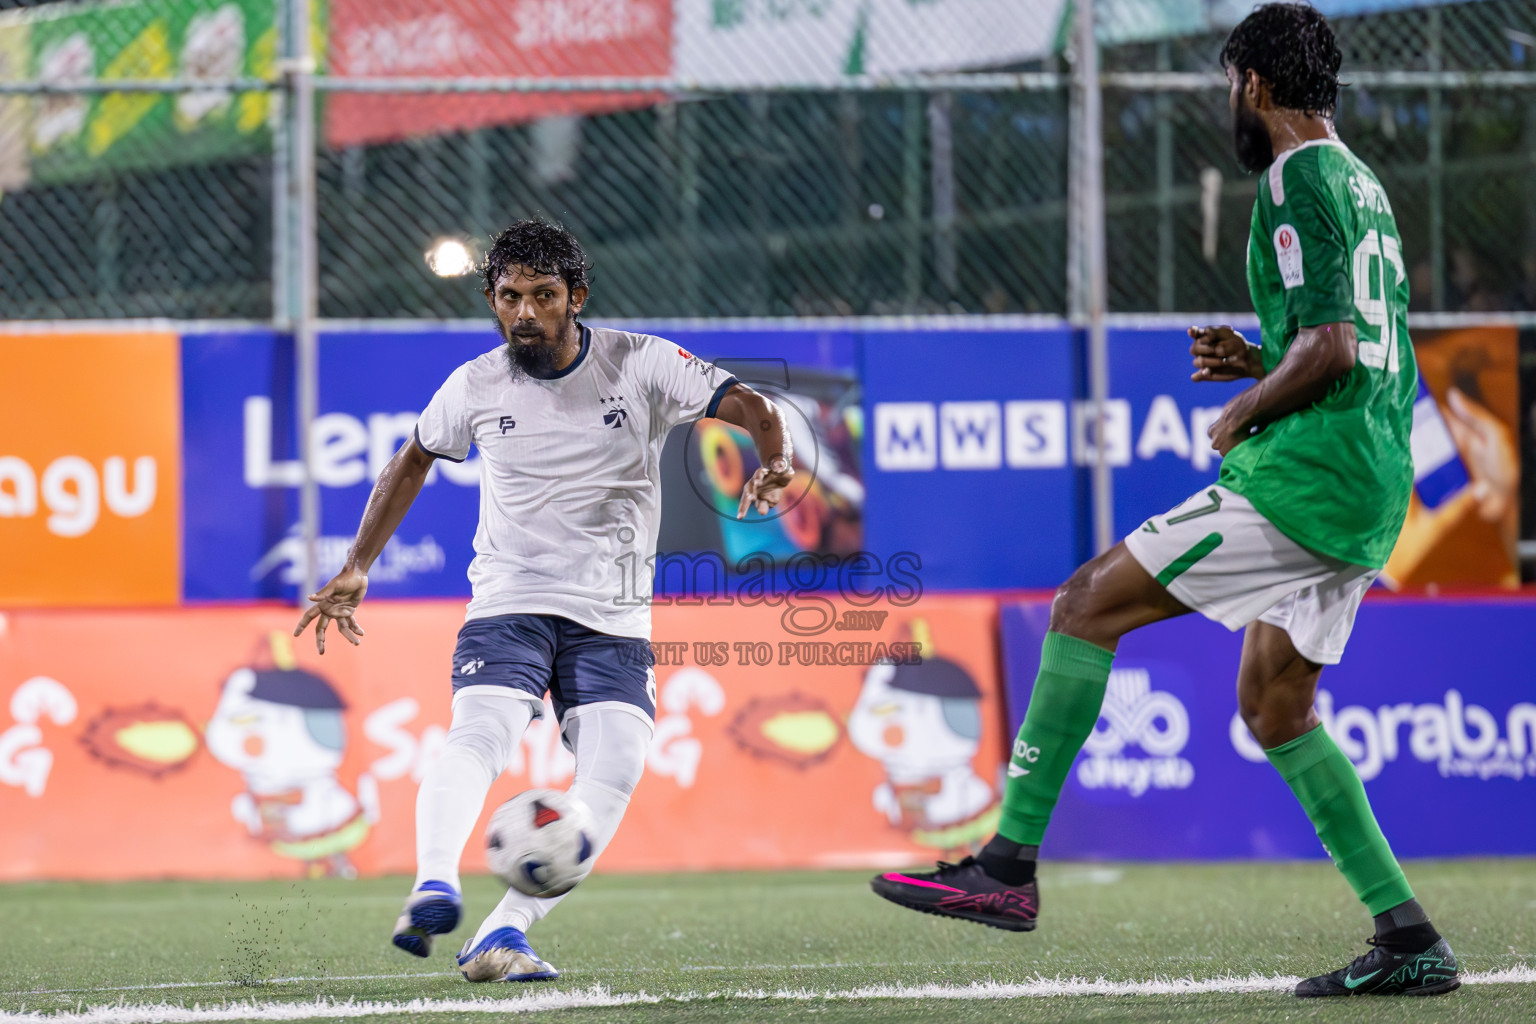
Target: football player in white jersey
<point>569,421</point>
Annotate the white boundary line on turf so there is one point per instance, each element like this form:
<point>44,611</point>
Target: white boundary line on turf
<point>599,996</point>
<point>302,979</point>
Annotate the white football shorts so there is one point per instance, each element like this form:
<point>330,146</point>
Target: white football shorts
<point>1219,556</point>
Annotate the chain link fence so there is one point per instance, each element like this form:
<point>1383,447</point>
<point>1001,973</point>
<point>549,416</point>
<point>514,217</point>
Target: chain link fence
<point>1439,100</point>
<point>756,158</point>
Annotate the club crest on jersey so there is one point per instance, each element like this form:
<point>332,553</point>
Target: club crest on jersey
<point>615,414</point>
<point>1288,256</point>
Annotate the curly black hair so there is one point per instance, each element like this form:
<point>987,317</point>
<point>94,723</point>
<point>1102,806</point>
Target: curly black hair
<point>547,248</point>
<point>1292,47</point>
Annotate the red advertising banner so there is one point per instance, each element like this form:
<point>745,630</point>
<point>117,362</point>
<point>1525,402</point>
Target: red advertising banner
<point>480,38</point>
<point>205,743</point>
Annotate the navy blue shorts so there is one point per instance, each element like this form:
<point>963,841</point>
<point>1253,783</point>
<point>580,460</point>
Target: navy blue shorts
<point>539,653</point>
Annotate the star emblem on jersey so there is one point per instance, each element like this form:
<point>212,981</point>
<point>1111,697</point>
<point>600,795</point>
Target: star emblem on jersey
<point>616,414</point>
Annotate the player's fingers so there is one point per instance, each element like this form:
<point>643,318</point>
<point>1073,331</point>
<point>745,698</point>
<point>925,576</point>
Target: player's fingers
<point>320,633</point>
<point>747,494</point>
<point>347,629</point>
<point>306,619</point>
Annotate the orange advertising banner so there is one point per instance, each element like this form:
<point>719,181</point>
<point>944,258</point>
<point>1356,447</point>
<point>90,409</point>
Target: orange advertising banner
<point>1470,538</point>
<point>90,469</point>
<point>205,743</point>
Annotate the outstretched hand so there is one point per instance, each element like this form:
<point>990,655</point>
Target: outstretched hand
<point>336,601</point>
<point>1222,354</point>
<point>766,488</point>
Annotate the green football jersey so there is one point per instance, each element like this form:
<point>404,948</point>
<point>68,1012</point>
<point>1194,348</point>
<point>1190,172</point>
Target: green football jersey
<point>1323,248</point>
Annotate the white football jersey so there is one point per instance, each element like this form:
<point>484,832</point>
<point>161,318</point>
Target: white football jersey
<point>570,473</point>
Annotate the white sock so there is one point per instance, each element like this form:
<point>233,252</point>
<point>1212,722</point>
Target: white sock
<point>488,721</point>
<point>610,745</point>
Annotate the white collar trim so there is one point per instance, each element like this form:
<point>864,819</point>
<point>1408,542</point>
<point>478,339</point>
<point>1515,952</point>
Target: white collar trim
<point>1277,169</point>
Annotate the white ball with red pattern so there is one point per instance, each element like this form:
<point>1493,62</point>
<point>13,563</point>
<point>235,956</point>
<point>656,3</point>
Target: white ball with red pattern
<point>540,842</point>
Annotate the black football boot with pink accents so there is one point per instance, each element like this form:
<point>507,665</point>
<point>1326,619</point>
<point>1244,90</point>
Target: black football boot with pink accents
<point>963,890</point>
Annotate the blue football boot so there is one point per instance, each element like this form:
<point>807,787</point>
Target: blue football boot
<point>504,955</point>
<point>433,909</point>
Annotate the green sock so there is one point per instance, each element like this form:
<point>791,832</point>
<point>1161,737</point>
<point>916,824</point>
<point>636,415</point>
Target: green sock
<point>1334,798</point>
<point>1069,691</point>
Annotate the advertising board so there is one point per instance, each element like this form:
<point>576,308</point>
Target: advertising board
<point>1429,719</point>
<point>207,743</point>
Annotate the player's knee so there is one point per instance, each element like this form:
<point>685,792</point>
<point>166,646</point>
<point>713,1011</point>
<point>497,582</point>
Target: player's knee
<point>610,748</point>
<point>1074,609</point>
<point>1272,718</point>
<point>1252,713</point>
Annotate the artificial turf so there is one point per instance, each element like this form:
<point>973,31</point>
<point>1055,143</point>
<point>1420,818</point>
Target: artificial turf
<point>733,947</point>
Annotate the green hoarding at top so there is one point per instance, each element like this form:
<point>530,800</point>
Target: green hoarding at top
<point>64,136</point>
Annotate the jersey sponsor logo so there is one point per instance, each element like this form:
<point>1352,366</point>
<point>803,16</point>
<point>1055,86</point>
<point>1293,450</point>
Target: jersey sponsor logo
<point>1135,715</point>
<point>506,423</point>
<point>685,353</point>
<point>1462,740</point>
<point>1288,256</point>
<point>471,666</point>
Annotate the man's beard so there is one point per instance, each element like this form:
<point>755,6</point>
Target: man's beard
<point>1251,139</point>
<point>531,352</point>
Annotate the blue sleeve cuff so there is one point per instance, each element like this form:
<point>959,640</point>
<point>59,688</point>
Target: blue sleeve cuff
<point>714,400</point>
<point>436,455</point>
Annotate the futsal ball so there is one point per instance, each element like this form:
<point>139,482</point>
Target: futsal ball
<point>540,842</point>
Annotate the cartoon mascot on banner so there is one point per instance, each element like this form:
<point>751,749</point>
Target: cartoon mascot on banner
<point>922,722</point>
<point>281,728</point>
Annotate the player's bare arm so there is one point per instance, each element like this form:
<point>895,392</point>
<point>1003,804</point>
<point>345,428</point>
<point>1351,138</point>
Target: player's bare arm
<point>1318,358</point>
<point>1222,354</point>
<point>392,496</point>
<point>761,418</point>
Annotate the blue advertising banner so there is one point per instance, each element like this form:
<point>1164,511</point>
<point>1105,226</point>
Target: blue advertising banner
<point>967,455</point>
<point>1429,721</point>
<point>243,477</point>
<point>979,447</point>
<point>967,448</point>
<point>1156,422</point>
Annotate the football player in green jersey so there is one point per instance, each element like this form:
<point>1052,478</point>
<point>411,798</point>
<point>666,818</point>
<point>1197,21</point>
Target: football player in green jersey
<point>1313,489</point>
